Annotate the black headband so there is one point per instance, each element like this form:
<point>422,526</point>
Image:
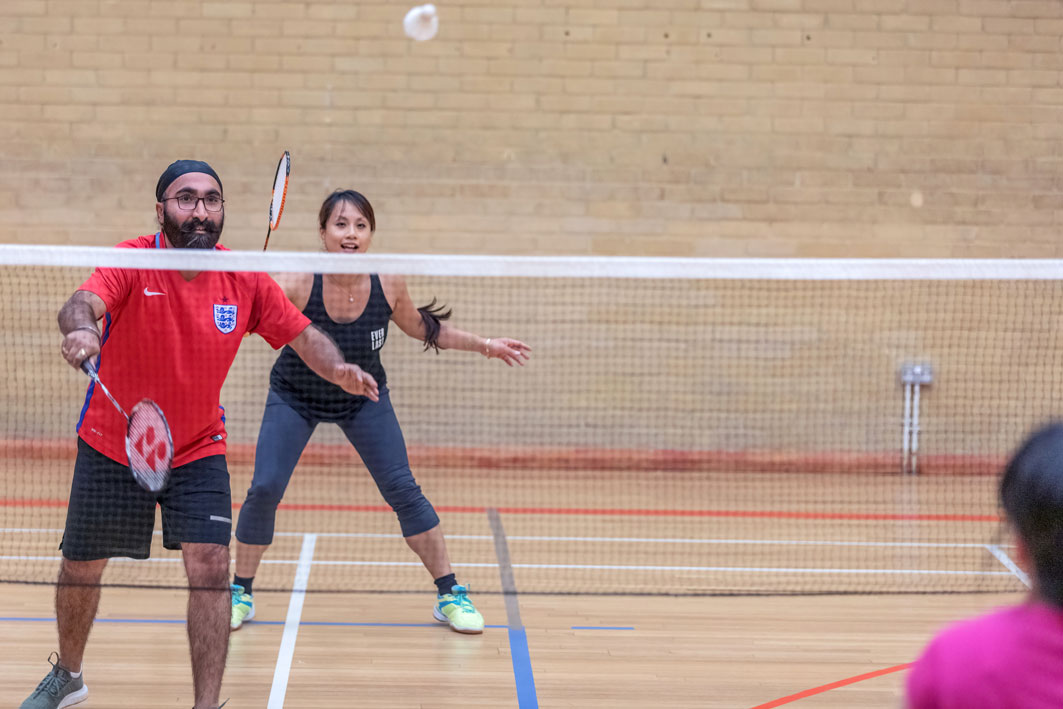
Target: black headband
<point>182,167</point>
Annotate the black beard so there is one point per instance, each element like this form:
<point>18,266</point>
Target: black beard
<point>184,236</point>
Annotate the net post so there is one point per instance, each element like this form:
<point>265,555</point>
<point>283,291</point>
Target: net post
<point>915,429</point>
<point>906,427</point>
<point>913,376</point>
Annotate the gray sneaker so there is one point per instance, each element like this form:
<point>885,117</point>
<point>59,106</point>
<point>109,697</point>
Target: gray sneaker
<point>57,690</point>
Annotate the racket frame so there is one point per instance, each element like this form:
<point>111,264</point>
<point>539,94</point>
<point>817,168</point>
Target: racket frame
<point>275,219</point>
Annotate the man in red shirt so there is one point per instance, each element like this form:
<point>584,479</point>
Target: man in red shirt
<point>171,337</point>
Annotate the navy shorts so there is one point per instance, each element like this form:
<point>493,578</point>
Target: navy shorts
<point>111,515</point>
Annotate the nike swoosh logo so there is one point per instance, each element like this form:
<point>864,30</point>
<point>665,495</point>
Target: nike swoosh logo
<point>151,292</point>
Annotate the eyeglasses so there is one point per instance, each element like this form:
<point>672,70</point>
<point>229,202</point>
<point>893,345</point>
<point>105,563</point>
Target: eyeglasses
<point>188,202</point>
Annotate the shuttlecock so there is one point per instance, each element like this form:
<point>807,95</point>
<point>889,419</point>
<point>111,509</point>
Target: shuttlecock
<point>421,23</point>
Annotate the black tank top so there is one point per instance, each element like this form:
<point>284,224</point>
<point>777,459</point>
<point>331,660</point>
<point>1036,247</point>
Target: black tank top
<point>359,341</point>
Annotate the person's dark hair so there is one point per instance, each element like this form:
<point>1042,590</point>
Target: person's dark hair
<point>355,199</point>
<point>1031,492</point>
<point>431,315</point>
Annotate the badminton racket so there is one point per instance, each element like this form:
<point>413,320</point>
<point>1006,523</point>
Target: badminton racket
<point>148,443</point>
<point>280,191</point>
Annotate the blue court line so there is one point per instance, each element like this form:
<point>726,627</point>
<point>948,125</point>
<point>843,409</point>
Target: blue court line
<point>518,636</point>
<point>522,669</point>
<point>181,621</point>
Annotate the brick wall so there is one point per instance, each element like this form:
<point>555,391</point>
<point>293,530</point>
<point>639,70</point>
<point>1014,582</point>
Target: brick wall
<point>646,127</point>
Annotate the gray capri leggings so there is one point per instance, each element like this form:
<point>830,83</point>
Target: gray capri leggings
<point>374,431</point>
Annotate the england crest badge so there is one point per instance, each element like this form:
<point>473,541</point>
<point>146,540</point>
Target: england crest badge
<point>225,317</point>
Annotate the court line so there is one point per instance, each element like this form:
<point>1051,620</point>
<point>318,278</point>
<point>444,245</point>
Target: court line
<point>518,636</point>
<point>291,624</point>
<point>757,569</point>
<point>650,567</point>
<point>779,542</point>
<point>833,685</point>
<point>632,540</point>
<point>750,514</point>
<point>1004,559</point>
<point>585,567</point>
<point>602,627</point>
<point>619,512</point>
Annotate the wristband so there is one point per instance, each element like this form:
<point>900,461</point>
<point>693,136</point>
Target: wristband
<point>88,328</point>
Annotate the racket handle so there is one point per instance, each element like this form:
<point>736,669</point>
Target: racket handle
<point>88,368</point>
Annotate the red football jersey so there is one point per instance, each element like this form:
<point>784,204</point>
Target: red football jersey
<point>173,341</point>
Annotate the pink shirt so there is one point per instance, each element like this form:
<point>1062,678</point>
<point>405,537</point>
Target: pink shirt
<point>1009,659</point>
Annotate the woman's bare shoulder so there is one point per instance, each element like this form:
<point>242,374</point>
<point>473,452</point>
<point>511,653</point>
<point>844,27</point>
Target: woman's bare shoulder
<point>296,287</point>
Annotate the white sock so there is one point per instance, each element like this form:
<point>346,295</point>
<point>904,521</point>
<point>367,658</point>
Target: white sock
<point>75,675</point>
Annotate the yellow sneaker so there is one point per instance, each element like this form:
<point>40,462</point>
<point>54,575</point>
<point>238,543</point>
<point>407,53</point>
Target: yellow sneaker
<point>243,607</point>
<point>457,610</point>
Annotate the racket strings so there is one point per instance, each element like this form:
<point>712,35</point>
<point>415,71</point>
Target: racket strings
<point>149,445</point>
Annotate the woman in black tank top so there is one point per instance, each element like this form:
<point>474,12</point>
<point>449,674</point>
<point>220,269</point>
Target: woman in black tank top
<point>355,311</point>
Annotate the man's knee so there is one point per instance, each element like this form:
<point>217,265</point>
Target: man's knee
<point>81,573</point>
<point>207,565</point>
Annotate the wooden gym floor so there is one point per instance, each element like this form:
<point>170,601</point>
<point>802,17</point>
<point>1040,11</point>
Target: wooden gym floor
<point>581,630</point>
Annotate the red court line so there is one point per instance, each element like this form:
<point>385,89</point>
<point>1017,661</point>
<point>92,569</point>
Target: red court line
<point>833,685</point>
<point>596,512</point>
<point>591,459</point>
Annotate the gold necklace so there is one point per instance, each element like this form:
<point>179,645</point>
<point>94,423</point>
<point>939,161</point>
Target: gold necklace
<point>350,296</point>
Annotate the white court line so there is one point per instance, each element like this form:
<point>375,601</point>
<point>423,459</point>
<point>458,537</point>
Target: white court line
<point>755,569</point>
<point>291,624</point>
<point>1004,559</point>
<point>780,542</point>
<point>622,540</point>
<point>660,540</point>
<point>621,567</point>
<point>599,567</point>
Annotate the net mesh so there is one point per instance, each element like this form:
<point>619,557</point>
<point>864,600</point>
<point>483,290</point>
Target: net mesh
<point>672,434</point>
